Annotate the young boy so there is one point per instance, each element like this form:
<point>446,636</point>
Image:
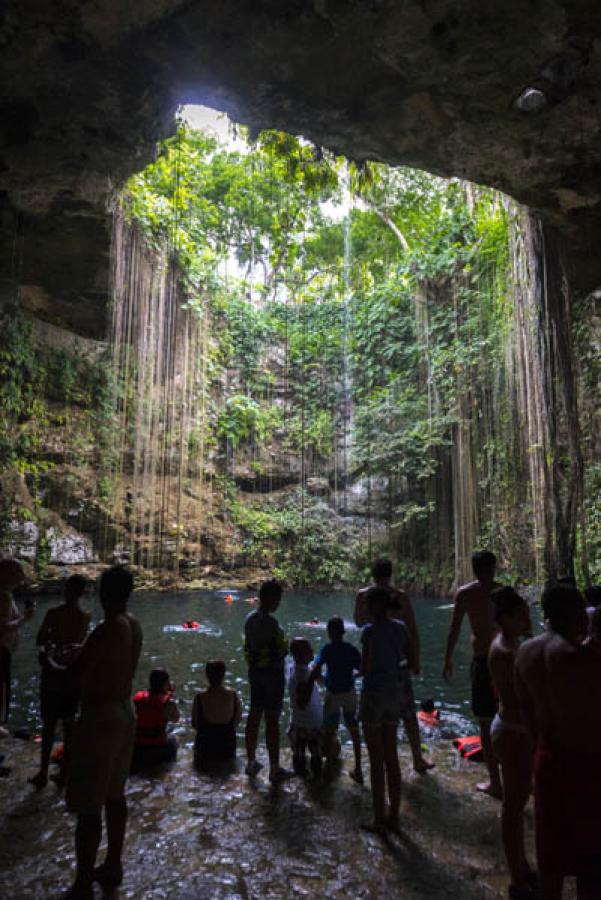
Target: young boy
<point>11,576</point>
<point>306,710</point>
<point>342,662</point>
<point>215,715</point>
<point>60,638</point>
<point>265,649</point>
<point>155,708</point>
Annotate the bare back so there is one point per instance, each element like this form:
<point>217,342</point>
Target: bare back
<point>559,687</point>
<point>64,625</point>
<point>474,600</point>
<point>109,660</point>
<point>501,663</point>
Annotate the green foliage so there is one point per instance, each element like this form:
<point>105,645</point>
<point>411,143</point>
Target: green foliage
<point>242,418</point>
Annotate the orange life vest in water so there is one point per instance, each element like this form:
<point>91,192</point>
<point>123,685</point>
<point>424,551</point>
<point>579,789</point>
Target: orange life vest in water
<point>151,725</point>
<point>470,748</point>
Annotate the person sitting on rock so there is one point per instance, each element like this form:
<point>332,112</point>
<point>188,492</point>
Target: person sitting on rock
<point>155,709</point>
<point>216,713</point>
<point>60,638</point>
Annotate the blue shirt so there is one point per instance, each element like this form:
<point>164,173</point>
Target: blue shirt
<point>341,660</point>
<point>387,641</point>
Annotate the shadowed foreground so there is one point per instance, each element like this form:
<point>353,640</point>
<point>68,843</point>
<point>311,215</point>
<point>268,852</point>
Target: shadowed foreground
<point>200,836</point>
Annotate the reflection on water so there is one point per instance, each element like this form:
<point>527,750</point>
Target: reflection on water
<point>219,635</point>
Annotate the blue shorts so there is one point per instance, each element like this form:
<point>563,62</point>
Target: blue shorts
<point>266,689</point>
<point>334,704</point>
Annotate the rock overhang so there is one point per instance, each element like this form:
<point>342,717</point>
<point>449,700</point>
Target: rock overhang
<point>88,90</point>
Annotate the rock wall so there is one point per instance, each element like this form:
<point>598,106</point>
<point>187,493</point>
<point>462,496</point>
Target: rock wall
<point>502,94</point>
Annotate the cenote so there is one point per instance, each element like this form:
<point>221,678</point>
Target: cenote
<point>286,288</point>
<point>183,653</point>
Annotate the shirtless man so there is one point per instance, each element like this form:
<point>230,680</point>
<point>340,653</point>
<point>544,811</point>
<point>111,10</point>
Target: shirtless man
<point>399,608</point>
<point>104,734</point>
<point>11,576</point>
<point>474,600</point>
<point>558,684</point>
<point>511,740</point>
<point>60,637</point>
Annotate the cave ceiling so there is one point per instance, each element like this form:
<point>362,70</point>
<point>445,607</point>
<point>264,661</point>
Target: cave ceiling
<point>505,94</point>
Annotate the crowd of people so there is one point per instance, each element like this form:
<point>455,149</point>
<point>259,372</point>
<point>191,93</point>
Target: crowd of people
<point>537,699</point>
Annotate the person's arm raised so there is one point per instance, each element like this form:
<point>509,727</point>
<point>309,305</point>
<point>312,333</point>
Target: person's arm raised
<point>453,635</point>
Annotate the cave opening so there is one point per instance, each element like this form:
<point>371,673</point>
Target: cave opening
<point>309,363</point>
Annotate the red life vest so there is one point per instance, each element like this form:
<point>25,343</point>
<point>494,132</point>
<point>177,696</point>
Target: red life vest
<point>151,726</point>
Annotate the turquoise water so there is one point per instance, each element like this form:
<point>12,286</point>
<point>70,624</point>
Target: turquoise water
<point>184,653</point>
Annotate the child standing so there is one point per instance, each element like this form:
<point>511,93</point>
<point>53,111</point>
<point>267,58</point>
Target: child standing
<point>155,708</point>
<point>342,662</point>
<point>265,648</point>
<point>215,715</point>
<point>306,710</point>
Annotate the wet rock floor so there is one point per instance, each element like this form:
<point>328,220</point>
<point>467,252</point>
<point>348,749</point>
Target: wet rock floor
<point>212,837</point>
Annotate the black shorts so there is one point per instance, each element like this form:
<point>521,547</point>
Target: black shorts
<point>59,696</point>
<point>266,689</point>
<point>484,700</point>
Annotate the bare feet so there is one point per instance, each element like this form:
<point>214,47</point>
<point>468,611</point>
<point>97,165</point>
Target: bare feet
<point>356,775</point>
<point>39,781</point>
<point>80,891</point>
<point>423,766</point>
<point>378,828</point>
<point>485,787</point>
<point>107,876</point>
<point>393,825</point>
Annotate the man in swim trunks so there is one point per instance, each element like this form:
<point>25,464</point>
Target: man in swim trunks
<point>399,607</point>
<point>511,740</point>
<point>104,733</point>
<point>265,649</point>
<point>474,600</point>
<point>558,683</point>
<point>60,638</point>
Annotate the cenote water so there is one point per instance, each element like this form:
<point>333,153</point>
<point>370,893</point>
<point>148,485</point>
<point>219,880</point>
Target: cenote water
<point>183,652</point>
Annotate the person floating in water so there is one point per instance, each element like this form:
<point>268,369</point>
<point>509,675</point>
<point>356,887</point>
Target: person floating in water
<point>103,736</point>
<point>428,714</point>
<point>216,713</point>
<point>474,600</point>
<point>265,649</point>
<point>60,638</point>
<point>155,709</point>
<point>511,740</point>
<point>386,697</point>
<point>399,607</point>
<point>558,683</point>
<point>306,710</point>
<point>342,662</point>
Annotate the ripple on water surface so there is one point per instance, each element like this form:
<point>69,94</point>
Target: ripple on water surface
<point>183,651</point>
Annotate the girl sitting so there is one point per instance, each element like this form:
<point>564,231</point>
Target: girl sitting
<point>215,715</point>
<point>155,708</point>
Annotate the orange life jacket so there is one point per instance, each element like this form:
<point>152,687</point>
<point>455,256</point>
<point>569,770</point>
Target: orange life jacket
<point>429,718</point>
<point>151,725</point>
<point>470,748</point>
